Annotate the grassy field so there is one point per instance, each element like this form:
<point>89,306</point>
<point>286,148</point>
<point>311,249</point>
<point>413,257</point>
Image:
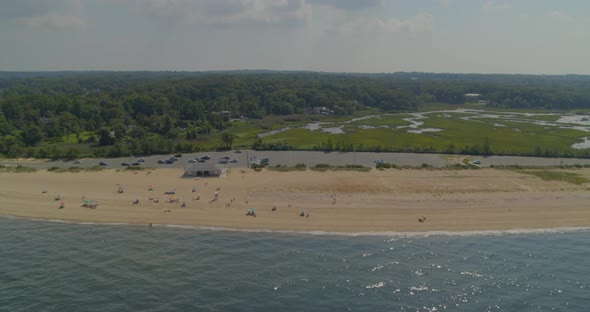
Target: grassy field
<point>516,137</point>
<point>383,132</point>
<point>563,176</point>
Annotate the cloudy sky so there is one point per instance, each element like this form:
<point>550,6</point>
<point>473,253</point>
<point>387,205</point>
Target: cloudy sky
<point>485,36</point>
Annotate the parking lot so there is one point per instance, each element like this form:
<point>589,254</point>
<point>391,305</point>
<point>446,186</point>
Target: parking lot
<point>310,158</point>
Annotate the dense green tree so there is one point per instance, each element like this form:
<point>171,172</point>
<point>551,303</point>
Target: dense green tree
<point>105,138</point>
<point>228,139</point>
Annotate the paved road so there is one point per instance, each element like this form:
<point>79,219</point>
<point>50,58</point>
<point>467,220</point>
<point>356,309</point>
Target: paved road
<point>313,158</point>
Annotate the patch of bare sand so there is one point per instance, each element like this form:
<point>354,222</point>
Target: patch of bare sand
<point>342,201</point>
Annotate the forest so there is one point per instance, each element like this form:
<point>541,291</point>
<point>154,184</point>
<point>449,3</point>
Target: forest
<point>73,114</point>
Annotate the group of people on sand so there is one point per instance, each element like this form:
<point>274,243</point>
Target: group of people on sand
<point>173,199</point>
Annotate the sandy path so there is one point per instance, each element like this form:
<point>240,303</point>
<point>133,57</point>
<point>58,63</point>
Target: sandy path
<point>391,200</point>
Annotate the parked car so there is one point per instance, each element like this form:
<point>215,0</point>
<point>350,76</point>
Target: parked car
<point>124,164</point>
<point>225,157</point>
<point>135,164</point>
<point>168,161</point>
<point>178,155</point>
<point>161,161</point>
<point>191,161</point>
<point>77,162</point>
<point>476,162</point>
<point>141,160</point>
<point>222,161</point>
<point>234,161</point>
<point>206,157</point>
<point>237,151</point>
<point>102,163</point>
<point>201,160</point>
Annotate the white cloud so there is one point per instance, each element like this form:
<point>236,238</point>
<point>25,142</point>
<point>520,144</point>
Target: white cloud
<point>494,5</point>
<point>53,20</point>
<point>560,15</point>
<point>348,4</point>
<point>422,22</point>
<point>228,12</point>
<point>42,13</point>
<point>444,3</point>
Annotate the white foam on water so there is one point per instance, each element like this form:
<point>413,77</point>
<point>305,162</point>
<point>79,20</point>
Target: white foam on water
<point>377,268</point>
<point>378,285</point>
<point>419,288</point>
<point>395,234</point>
<point>471,274</point>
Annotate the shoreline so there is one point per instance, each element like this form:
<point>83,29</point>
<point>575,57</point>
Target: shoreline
<point>557,230</point>
<point>341,202</point>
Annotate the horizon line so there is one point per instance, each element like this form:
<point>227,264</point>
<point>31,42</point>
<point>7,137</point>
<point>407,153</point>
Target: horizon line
<point>280,70</point>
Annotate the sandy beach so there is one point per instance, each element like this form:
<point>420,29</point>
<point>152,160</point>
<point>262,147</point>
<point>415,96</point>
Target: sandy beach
<point>339,201</point>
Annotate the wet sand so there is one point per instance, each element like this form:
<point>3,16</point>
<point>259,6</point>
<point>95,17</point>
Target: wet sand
<point>376,201</point>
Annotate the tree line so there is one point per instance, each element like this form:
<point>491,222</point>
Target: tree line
<point>159,112</point>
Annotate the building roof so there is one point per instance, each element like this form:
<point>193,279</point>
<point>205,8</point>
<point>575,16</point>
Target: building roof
<point>202,167</point>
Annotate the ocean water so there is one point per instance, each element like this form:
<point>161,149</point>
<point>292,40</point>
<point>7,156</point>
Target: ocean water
<point>51,266</point>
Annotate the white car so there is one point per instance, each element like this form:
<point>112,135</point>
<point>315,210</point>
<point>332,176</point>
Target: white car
<point>475,162</point>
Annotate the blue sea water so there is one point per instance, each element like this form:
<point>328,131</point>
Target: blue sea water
<point>50,266</point>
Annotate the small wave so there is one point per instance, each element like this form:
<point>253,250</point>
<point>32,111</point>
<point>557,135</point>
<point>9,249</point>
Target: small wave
<point>398,235</point>
<point>419,288</point>
<point>377,268</point>
<point>471,274</point>
<point>378,285</point>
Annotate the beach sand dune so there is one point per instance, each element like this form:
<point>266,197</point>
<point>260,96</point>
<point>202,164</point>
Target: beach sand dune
<point>338,201</point>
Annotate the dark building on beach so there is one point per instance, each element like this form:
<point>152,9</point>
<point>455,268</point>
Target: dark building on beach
<point>202,170</point>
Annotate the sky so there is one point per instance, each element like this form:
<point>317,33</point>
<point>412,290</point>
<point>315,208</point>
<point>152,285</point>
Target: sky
<point>457,36</point>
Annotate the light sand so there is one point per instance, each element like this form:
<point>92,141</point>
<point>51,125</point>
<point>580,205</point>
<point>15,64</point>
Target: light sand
<point>377,201</point>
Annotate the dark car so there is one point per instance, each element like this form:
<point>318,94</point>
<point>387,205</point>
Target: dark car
<point>141,160</point>
<point>102,163</point>
<point>178,155</point>
<point>168,162</point>
<point>135,164</point>
<point>225,157</point>
<point>237,151</point>
<point>234,161</point>
<point>222,161</point>
<point>201,160</point>
<point>161,161</point>
<point>206,157</point>
<point>124,164</point>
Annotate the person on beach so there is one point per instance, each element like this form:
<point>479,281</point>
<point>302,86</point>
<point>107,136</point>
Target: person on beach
<point>61,206</point>
<point>194,189</point>
<point>215,198</point>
